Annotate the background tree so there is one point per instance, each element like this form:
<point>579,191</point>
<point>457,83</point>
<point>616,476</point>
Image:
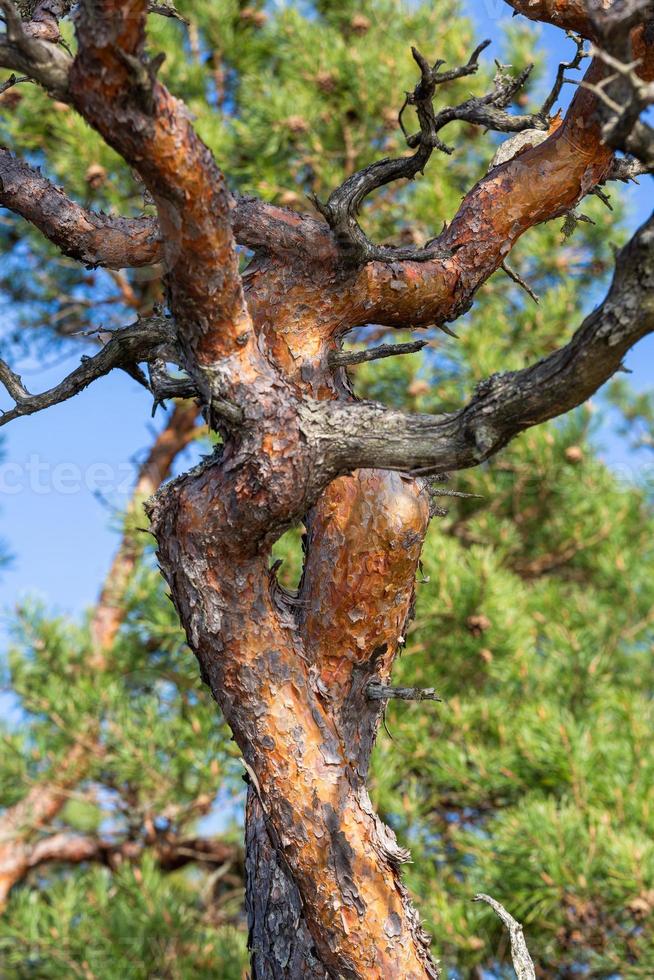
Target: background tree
<point>348,507</point>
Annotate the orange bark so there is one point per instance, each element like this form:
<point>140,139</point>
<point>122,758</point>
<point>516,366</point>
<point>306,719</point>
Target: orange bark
<point>343,861</point>
<point>291,676</point>
<point>570,15</point>
<point>153,131</point>
<point>290,683</point>
<point>364,541</point>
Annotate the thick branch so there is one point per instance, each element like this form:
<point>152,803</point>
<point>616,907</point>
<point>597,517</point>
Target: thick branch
<point>114,86</point>
<point>542,183</point>
<point>25,52</point>
<point>98,239</point>
<point>504,405</point>
<point>88,236</point>
<point>570,15</point>
<point>364,538</point>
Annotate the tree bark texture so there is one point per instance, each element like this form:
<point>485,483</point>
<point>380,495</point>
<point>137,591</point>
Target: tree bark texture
<point>291,672</point>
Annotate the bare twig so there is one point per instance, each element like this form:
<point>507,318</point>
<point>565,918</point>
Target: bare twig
<point>627,169</point>
<point>382,692</point>
<point>13,80</point>
<point>342,357</point>
<point>166,10</point>
<point>516,278</point>
<point>522,961</point>
<point>343,205</point>
<point>125,348</point>
<point>560,80</point>
<point>163,387</point>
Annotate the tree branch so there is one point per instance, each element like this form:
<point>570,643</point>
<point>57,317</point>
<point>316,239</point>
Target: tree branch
<point>340,358</point>
<point>99,239</point>
<point>126,348</point>
<point>383,692</point>
<point>573,15</point>
<point>522,961</point>
<point>344,203</point>
<point>21,50</point>
<point>366,434</point>
<point>44,18</point>
<point>541,183</point>
<point>627,89</point>
<point>114,86</point>
<point>88,236</point>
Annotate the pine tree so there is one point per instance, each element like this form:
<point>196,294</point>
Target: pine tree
<point>531,780</point>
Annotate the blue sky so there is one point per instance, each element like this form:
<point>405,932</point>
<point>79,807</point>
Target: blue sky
<point>59,528</point>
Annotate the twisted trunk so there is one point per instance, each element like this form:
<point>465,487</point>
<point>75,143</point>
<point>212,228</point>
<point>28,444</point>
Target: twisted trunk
<point>363,544</point>
<point>291,674</point>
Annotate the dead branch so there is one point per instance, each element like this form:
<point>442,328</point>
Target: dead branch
<point>367,434</point>
<point>344,203</point>
<point>345,357</point>
<point>522,961</point>
<point>125,349</point>
<point>623,95</point>
<point>383,692</point>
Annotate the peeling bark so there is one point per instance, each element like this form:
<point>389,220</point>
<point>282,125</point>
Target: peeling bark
<point>281,947</point>
<point>291,673</point>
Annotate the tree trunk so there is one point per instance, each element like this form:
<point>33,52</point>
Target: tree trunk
<point>280,944</point>
<point>362,548</point>
<point>291,678</point>
<point>292,673</point>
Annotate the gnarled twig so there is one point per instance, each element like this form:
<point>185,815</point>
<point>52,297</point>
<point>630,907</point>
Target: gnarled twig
<point>522,961</point>
<point>344,203</point>
<point>342,357</point>
<point>125,349</point>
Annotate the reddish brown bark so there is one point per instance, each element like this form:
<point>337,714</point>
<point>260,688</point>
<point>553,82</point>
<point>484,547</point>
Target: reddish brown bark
<point>570,15</point>
<point>92,238</point>
<point>291,673</point>
<point>99,239</point>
